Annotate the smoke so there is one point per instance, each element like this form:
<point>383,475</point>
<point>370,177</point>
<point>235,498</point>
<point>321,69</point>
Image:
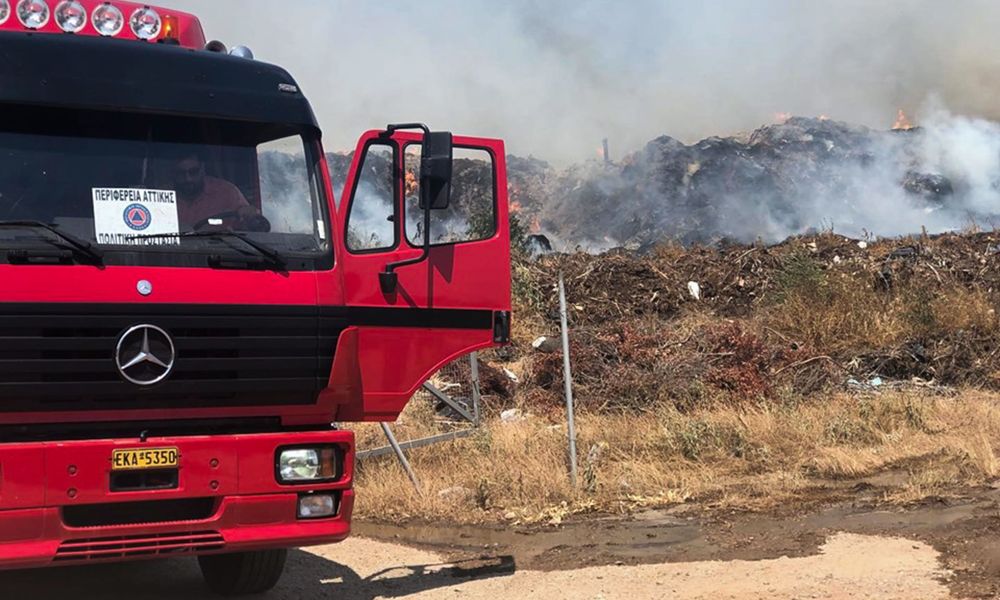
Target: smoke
<point>966,150</point>
<point>555,78</point>
<point>782,180</point>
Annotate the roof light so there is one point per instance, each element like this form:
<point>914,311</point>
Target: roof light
<point>171,29</point>
<point>108,20</point>
<point>4,11</point>
<point>145,23</point>
<point>71,16</point>
<point>33,14</point>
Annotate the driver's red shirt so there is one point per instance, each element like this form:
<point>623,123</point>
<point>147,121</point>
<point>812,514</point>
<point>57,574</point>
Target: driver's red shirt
<point>218,197</point>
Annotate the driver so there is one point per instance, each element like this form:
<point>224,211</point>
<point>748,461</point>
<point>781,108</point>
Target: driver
<point>201,197</point>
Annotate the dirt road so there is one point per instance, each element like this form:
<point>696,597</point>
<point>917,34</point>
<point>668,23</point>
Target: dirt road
<point>944,549</point>
<point>849,566</point>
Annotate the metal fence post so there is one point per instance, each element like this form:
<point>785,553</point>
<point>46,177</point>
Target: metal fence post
<point>402,457</point>
<point>476,393</point>
<point>568,379</point>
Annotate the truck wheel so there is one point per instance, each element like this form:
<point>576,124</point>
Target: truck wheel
<point>243,573</point>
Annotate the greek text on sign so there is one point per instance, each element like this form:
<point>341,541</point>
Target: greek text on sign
<point>123,214</point>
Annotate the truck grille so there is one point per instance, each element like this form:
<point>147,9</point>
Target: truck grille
<point>61,356</point>
<point>146,546</point>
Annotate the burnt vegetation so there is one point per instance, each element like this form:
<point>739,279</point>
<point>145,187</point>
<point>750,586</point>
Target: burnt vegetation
<point>776,323</point>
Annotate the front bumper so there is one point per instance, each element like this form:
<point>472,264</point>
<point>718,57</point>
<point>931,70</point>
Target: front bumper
<point>43,484</point>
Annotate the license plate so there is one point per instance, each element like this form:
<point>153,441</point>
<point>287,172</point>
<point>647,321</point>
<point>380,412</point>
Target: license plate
<point>142,458</point>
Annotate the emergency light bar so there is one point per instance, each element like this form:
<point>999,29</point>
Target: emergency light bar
<point>110,19</point>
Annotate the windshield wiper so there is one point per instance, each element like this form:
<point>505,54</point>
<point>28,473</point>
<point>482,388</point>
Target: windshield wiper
<point>268,253</point>
<point>80,246</point>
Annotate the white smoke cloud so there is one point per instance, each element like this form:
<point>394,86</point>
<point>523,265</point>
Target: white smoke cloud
<point>554,78</point>
<point>966,150</point>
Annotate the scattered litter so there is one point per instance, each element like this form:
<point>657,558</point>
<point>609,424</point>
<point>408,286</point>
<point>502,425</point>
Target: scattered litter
<point>510,375</point>
<point>871,384</point>
<point>863,245</point>
<point>546,344</point>
<point>694,289</point>
<point>513,415</point>
<point>900,253</point>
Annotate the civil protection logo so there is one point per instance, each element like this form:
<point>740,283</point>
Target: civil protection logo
<point>138,217</point>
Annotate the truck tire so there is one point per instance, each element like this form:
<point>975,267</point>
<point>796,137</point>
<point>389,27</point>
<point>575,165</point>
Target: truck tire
<point>243,573</point>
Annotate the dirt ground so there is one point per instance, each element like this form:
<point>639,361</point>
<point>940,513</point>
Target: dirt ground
<point>941,549</point>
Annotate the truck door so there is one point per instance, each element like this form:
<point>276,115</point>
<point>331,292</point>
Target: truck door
<point>455,301</point>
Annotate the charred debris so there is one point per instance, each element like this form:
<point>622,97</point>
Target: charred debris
<point>786,179</point>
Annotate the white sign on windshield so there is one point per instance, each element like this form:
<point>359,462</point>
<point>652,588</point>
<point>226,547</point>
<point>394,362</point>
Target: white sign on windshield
<point>122,216</point>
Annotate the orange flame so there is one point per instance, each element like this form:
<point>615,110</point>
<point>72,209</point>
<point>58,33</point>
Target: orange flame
<point>902,122</point>
<point>515,207</point>
<point>412,183</point>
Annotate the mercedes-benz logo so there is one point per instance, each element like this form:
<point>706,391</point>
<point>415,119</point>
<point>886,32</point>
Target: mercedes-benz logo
<point>145,355</point>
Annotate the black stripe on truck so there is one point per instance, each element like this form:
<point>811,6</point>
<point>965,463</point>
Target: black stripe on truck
<point>60,357</point>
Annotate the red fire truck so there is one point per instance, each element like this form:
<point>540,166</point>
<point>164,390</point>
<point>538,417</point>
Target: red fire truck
<point>185,309</point>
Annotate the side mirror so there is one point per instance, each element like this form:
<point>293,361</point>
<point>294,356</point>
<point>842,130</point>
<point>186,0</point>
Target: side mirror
<point>436,170</point>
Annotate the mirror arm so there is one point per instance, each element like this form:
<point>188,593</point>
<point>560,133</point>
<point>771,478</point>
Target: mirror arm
<point>391,129</point>
<point>389,280</point>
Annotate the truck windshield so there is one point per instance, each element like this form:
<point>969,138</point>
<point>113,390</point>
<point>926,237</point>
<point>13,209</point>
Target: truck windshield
<point>134,184</point>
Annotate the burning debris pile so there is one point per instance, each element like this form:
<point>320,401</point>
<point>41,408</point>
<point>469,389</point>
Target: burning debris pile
<point>795,177</point>
<point>781,180</point>
<point>767,323</point>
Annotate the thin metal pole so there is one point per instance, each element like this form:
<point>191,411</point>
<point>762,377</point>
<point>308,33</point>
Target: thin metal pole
<point>568,378</point>
<point>476,393</point>
<point>399,454</point>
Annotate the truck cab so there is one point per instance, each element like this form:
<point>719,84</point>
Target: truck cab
<point>187,306</point>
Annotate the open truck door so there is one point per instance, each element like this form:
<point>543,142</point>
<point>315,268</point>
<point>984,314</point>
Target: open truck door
<point>424,253</point>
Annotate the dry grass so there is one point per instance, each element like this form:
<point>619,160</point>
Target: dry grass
<point>838,313</point>
<point>843,312</point>
<point>735,399</point>
<point>736,458</point>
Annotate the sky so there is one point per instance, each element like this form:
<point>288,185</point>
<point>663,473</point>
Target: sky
<point>554,78</point>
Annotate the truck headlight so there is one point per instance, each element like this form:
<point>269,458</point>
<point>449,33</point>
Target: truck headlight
<point>304,465</point>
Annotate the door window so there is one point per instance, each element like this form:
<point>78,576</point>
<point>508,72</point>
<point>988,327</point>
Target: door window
<point>471,216</point>
<point>371,222</point>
